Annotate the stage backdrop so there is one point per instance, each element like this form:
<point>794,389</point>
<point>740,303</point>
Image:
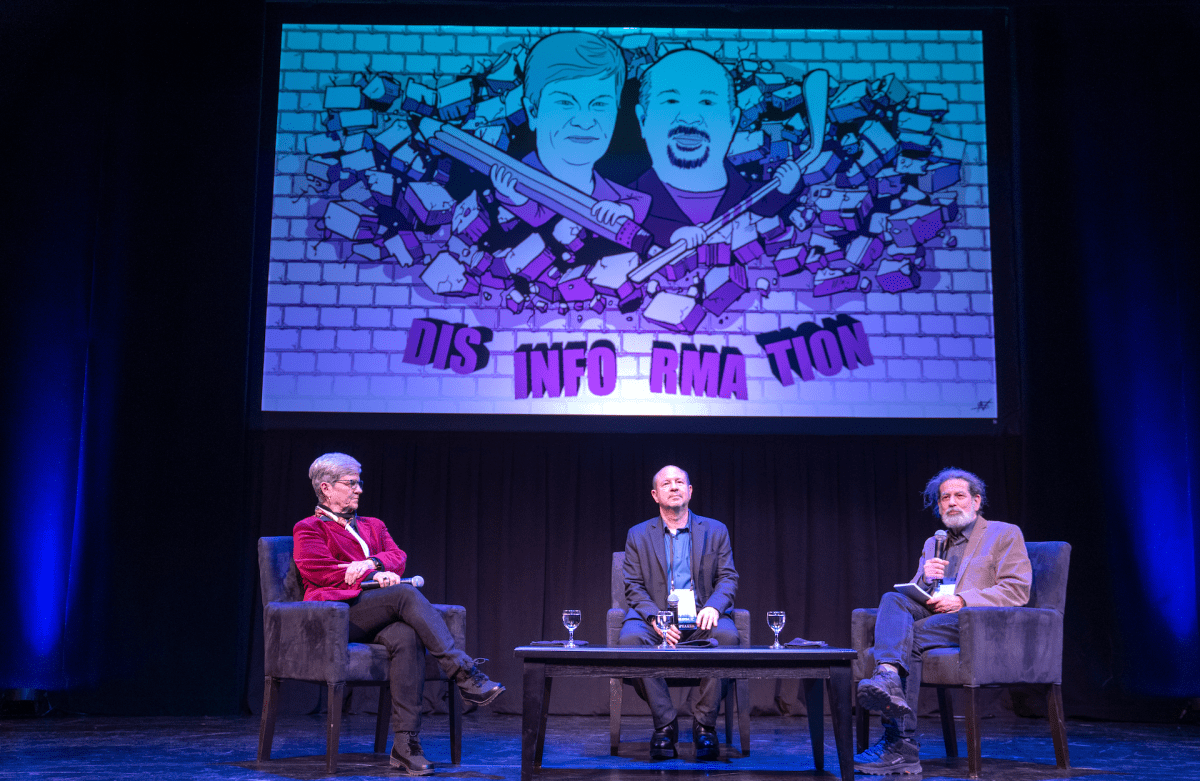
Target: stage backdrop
<point>402,279</point>
<point>159,520</point>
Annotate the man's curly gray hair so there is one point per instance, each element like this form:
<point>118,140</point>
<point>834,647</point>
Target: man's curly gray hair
<point>933,488</point>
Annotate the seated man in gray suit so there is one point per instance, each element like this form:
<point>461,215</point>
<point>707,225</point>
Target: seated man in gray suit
<point>679,551</point>
<point>985,564</point>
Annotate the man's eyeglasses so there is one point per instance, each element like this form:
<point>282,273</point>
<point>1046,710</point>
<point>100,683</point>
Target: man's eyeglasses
<point>351,483</point>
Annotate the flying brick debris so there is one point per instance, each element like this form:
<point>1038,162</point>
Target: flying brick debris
<point>878,173</point>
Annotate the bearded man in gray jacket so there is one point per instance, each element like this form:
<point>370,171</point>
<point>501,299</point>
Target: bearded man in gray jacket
<point>985,564</point>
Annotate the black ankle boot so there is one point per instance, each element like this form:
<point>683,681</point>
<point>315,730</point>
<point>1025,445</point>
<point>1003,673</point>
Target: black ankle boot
<point>475,686</point>
<point>408,756</point>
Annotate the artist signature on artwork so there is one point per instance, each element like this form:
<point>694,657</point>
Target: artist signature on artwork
<point>983,406</point>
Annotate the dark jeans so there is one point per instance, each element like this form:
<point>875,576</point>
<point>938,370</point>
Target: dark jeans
<point>401,619</point>
<point>654,691</point>
<point>904,631</point>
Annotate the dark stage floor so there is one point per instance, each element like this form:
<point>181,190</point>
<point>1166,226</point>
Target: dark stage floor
<point>208,749</point>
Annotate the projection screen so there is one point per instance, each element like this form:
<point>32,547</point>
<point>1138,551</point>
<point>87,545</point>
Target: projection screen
<point>630,221</point>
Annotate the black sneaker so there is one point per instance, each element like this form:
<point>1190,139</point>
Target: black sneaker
<point>407,755</point>
<point>475,686</point>
<point>889,755</point>
<point>884,693</point>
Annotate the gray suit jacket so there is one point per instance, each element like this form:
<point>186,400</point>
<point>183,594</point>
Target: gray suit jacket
<point>713,573</point>
<point>995,569</point>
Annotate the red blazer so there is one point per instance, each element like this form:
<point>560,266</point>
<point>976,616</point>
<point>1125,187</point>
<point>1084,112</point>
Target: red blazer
<point>321,545</point>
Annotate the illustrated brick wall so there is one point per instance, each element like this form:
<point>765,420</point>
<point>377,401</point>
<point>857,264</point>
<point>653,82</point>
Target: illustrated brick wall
<point>337,323</point>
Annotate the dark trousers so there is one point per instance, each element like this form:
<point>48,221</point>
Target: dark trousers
<point>654,691</point>
<point>401,619</point>
<point>904,631</point>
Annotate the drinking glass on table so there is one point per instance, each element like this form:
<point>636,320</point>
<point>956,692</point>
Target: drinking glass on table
<point>663,621</point>
<point>571,619</point>
<point>775,620</point>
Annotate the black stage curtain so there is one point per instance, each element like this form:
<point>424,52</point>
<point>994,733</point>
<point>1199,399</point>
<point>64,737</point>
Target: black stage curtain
<point>517,527</point>
<point>133,168</point>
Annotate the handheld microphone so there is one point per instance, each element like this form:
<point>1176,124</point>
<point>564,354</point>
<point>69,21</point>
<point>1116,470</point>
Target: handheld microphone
<point>416,581</point>
<point>673,606</point>
<point>940,538</point>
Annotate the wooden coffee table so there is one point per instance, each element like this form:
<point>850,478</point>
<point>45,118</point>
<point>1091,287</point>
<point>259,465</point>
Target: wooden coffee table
<point>545,663</point>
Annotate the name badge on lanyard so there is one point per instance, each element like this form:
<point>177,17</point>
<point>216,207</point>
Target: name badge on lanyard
<point>946,589</point>
<point>687,607</point>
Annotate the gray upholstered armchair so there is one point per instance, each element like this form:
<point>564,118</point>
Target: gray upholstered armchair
<point>999,646</point>
<point>736,693</point>
<point>309,641</point>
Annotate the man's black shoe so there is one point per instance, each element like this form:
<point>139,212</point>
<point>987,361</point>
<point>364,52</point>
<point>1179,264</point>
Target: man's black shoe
<point>705,740</point>
<point>475,686</point>
<point>662,743</point>
<point>407,755</point>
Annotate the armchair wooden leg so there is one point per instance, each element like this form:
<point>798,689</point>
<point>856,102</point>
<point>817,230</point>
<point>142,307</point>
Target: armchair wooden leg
<point>974,753</point>
<point>863,727</point>
<point>729,697</point>
<point>946,708</point>
<point>1058,726</point>
<point>616,693</point>
<point>456,709</point>
<point>333,725</point>
<point>743,708</point>
<point>266,728</point>
<point>383,718</point>
<point>814,701</point>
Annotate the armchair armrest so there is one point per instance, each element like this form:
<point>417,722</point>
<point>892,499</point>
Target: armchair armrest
<point>455,617</point>
<point>1010,645</point>
<point>306,640</point>
<point>612,625</point>
<point>741,618</point>
<point>862,639</point>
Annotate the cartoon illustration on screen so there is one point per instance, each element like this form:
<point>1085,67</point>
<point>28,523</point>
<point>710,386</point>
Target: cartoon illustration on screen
<point>679,242</point>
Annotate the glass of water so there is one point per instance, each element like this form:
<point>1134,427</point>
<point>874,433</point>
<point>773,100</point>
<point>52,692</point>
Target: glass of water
<point>571,619</point>
<point>775,620</point>
<point>663,622</point>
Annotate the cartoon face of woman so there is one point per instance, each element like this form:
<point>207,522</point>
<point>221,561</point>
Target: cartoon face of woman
<point>574,119</point>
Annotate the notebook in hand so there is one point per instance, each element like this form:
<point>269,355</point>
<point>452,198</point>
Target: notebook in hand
<point>913,592</point>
